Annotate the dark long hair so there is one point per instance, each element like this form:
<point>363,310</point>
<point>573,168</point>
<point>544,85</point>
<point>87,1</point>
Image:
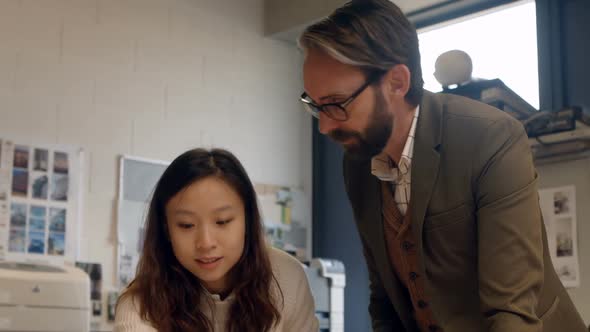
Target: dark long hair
<point>168,295</point>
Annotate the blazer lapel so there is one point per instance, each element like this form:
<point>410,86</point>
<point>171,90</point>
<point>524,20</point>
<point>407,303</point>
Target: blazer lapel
<point>425,164</point>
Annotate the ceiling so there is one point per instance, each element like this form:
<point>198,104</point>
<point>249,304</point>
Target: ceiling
<point>286,19</point>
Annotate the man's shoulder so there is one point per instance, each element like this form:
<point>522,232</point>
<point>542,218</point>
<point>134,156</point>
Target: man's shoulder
<point>468,118</point>
<point>459,107</point>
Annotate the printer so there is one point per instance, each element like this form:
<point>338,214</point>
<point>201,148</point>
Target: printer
<point>43,298</point>
<point>327,279</point>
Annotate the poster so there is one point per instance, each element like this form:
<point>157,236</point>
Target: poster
<point>558,206</point>
<point>39,197</point>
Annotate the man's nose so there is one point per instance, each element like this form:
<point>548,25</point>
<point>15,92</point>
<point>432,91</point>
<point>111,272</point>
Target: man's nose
<point>326,124</point>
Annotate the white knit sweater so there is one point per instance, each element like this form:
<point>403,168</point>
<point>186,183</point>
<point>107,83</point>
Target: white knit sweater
<point>297,315</point>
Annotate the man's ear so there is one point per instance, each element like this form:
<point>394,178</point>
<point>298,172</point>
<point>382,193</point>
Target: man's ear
<point>398,80</point>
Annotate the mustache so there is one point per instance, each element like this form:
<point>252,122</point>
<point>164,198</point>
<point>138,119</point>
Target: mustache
<point>341,135</point>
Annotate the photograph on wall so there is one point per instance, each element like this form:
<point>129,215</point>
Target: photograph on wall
<point>558,206</point>
<point>56,244</point>
<point>37,217</point>
<point>18,215</point>
<point>7,154</point>
<point>4,215</point>
<point>561,202</point>
<point>59,187</point>
<point>16,242</point>
<point>41,160</point>
<point>39,185</point>
<point>564,237</point>
<point>57,220</point>
<point>566,272</point>
<point>4,184</point>
<point>21,156</point>
<point>36,243</point>
<point>94,271</point>
<point>20,182</point>
<point>60,163</point>
<point>3,244</point>
<point>4,225</point>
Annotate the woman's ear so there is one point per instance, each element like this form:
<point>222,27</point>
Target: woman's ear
<point>398,81</point>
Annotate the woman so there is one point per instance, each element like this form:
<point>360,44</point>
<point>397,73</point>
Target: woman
<point>205,265</point>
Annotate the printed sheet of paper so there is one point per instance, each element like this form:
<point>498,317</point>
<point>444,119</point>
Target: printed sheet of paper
<point>558,206</point>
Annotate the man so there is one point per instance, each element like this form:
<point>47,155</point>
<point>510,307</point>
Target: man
<point>443,188</point>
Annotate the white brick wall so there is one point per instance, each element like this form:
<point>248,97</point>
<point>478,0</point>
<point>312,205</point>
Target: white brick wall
<point>150,78</point>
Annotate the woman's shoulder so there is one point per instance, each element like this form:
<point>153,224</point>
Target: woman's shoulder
<point>284,263</point>
<point>288,271</point>
<point>127,317</point>
<point>298,310</point>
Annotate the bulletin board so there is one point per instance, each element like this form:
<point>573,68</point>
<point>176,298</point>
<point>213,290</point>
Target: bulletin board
<point>40,202</point>
<point>137,180</point>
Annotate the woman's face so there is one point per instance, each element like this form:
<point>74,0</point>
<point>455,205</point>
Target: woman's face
<point>207,226</point>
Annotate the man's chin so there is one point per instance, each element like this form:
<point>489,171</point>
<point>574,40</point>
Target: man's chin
<point>358,153</point>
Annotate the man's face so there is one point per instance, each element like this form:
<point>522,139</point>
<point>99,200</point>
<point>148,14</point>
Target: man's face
<point>368,127</point>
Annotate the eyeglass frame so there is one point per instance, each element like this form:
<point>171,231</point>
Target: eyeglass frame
<point>314,109</point>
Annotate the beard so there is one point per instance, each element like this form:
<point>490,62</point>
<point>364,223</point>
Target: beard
<point>374,138</point>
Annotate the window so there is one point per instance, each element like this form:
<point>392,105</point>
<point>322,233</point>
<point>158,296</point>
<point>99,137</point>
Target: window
<point>502,43</point>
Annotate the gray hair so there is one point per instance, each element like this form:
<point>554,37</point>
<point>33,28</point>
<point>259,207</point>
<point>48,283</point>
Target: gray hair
<point>373,35</point>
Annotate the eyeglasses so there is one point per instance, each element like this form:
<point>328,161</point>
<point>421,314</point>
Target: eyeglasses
<point>336,111</point>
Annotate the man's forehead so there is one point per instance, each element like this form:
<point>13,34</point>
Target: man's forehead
<point>323,76</point>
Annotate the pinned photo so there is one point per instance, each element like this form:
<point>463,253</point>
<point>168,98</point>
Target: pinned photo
<point>6,159</point>
<point>5,183</point>
<point>16,242</point>
<point>56,244</point>
<point>563,237</point>
<point>18,215</point>
<point>39,185</point>
<point>60,162</point>
<point>21,156</point>
<point>57,220</point>
<point>37,217</point>
<point>59,187</point>
<point>561,203</point>
<point>41,160</point>
<point>566,272</point>
<point>20,181</point>
<point>36,243</point>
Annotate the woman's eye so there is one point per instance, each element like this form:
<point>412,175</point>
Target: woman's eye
<point>185,225</point>
<point>223,222</point>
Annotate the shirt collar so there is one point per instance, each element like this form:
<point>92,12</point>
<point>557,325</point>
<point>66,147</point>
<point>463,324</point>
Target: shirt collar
<point>385,169</point>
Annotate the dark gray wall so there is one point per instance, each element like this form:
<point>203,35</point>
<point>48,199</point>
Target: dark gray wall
<point>334,231</point>
<point>576,44</point>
